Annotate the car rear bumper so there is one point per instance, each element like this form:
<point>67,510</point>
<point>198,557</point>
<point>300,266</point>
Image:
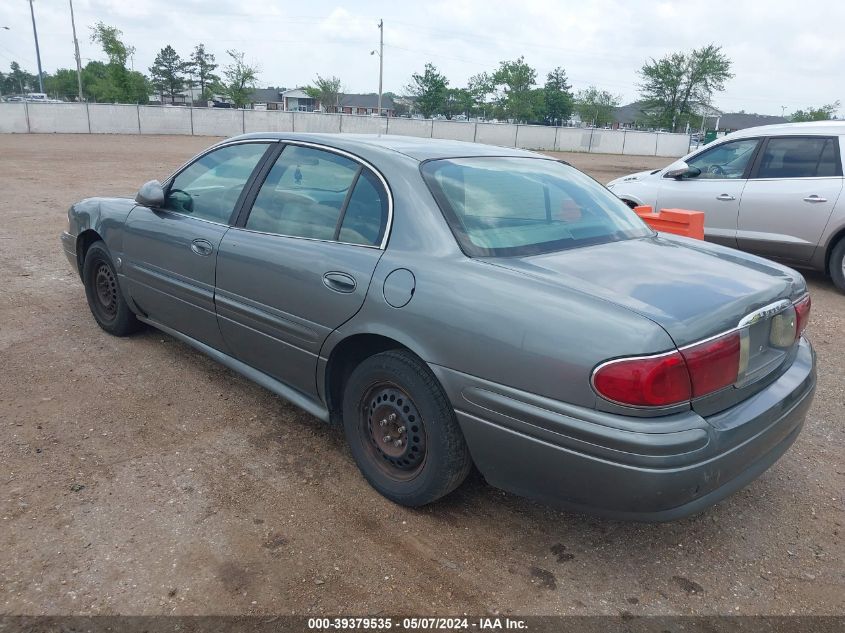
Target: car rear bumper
<point>649,469</point>
<point>69,247</point>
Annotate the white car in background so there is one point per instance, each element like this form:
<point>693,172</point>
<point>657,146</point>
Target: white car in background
<point>774,190</point>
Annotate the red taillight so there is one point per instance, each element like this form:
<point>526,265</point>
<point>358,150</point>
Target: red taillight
<point>713,364</point>
<point>673,378</point>
<point>802,315</point>
<point>651,381</point>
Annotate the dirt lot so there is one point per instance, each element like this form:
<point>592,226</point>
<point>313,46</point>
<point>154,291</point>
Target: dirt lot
<point>139,477</point>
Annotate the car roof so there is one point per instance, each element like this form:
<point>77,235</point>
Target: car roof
<point>831,128</point>
<point>417,148</point>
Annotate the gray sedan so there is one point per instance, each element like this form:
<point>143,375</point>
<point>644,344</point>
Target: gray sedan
<point>452,304</point>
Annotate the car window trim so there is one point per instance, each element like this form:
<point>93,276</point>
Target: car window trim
<point>759,158</point>
<point>168,183</point>
<point>249,201</point>
<point>748,167</point>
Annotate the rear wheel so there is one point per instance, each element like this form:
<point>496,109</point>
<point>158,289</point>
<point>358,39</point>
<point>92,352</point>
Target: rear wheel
<point>110,310</point>
<point>837,264</point>
<point>402,430</point>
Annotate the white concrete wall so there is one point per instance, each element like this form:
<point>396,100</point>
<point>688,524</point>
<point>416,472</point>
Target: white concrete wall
<point>672,144</point>
<point>535,137</point>
<point>353,124</point>
<point>410,127</point>
<point>268,121</point>
<point>13,118</point>
<point>113,119</point>
<point>316,122</point>
<point>454,130</point>
<point>217,121</point>
<point>124,119</point>
<point>500,134</point>
<point>607,142</point>
<point>61,118</point>
<point>572,139</point>
<point>642,143</point>
<point>164,120</point>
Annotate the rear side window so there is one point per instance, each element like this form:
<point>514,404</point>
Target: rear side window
<point>320,195</point>
<point>505,207</point>
<point>799,157</point>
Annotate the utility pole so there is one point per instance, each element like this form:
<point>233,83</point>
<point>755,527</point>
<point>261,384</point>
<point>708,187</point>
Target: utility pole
<point>76,52</point>
<point>37,50</point>
<point>380,60</point>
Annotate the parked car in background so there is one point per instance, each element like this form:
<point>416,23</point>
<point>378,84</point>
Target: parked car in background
<point>454,303</point>
<point>775,191</point>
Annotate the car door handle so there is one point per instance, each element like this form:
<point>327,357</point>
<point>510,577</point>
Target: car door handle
<point>201,247</point>
<point>815,198</point>
<point>726,197</point>
<point>339,282</point>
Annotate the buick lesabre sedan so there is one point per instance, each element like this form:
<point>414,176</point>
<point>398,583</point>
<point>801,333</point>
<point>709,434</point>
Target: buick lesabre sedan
<point>774,190</point>
<point>452,304</point>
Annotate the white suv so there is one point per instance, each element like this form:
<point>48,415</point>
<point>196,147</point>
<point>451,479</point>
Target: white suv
<point>773,190</point>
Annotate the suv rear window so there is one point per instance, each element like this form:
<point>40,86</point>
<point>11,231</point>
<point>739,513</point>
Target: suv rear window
<point>799,157</point>
<point>503,206</point>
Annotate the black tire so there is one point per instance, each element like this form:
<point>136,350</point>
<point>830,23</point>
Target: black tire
<point>434,459</point>
<point>837,264</point>
<point>110,310</point>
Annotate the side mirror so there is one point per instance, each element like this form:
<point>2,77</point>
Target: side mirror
<point>151,194</point>
<point>680,169</point>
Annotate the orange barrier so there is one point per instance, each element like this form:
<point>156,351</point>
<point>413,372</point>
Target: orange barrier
<point>677,221</point>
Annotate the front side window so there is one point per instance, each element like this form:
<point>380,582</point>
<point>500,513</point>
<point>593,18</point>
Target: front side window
<point>504,207</point>
<point>210,187</point>
<point>320,195</point>
<point>799,157</point>
<point>728,160</point>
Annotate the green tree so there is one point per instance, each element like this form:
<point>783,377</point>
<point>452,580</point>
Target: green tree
<point>326,90</point>
<point>458,101</point>
<point>516,79</point>
<point>239,79</point>
<point>430,90</point>
<point>119,84</point>
<point>166,73</point>
<point>18,81</point>
<point>822,113</point>
<point>202,66</point>
<point>62,84</point>
<point>557,97</point>
<point>480,87</point>
<point>596,106</point>
<point>679,84</point>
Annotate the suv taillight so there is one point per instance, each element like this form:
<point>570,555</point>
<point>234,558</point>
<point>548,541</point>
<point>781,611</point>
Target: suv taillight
<point>671,378</point>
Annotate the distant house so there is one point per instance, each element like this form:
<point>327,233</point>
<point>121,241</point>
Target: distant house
<point>365,104</point>
<point>733,121</point>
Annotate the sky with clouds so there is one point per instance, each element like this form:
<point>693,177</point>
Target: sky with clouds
<point>786,54</point>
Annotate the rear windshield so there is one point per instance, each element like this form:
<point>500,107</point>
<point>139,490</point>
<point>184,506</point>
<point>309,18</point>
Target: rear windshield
<point>510,207</point>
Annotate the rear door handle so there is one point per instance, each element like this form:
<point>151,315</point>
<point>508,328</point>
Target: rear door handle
<point>726,197</point>
<point>815,198</point>
<point>201,247</point>
<point>339,282</point>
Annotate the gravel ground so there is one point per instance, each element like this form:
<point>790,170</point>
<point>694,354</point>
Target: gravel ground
<point>139,477</point>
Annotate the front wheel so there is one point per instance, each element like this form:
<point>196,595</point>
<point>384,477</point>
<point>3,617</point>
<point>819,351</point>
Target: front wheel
<point>110,310</point>
<point>837,265</point>
<point>402,431</point>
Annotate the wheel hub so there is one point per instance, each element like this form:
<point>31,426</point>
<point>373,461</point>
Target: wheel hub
<point>395,427</point>
<point>106,286</point>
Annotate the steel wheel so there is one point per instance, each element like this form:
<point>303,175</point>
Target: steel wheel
<point>393,430</point>
<point>106,287</point>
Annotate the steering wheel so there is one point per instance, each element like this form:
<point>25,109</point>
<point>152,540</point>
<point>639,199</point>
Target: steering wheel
<point>185,200</point>
<point>716,169</point>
